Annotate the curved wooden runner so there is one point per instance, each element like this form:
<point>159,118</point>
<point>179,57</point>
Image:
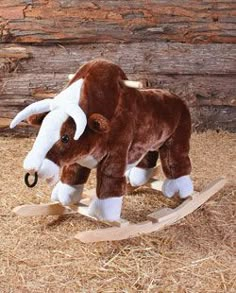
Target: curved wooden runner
<point>157,221</point>
<point>123,229</point>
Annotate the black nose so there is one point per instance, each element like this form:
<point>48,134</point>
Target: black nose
<point>27,183</point>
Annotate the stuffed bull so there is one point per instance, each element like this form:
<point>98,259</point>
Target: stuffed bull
<point>99,122</point>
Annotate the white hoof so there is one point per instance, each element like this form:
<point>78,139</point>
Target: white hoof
<point>138,176</point>
<point>108,209</point>
<point>67,194</point>
<point>182,185</point>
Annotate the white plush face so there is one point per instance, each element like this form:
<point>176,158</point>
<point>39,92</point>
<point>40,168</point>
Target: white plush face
<point>48,135</point>
<point>61,107</point>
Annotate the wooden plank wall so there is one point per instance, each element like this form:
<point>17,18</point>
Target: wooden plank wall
<point>188,47</point>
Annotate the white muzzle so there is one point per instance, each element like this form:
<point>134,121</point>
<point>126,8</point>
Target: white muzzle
<point>45,168</point>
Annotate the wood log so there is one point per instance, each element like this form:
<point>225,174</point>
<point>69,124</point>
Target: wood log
<point>19,90</point>
<point>72,21</point>
<point>214,117</point>
<point>10,57</point>
<point>202,75</point>
<point>23,129</point>
<point>151,57</point>
<point>164,44</point>
<point>204,117</point>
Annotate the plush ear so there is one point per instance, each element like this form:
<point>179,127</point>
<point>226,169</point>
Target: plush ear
<point>36,119</point>
<point>99,123</point>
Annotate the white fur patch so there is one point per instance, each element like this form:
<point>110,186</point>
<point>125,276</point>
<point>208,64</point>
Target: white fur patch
<point>48,135</point>
<point>139,176</point>
<point>182,185</point>
<point>108,209</point>
<point>129,167</point>
<point>50,171</point>
<point>67,194</point>
<point>88,162</point>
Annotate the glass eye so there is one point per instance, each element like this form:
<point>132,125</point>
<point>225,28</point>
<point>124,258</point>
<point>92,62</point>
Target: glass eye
<point>65,138</point>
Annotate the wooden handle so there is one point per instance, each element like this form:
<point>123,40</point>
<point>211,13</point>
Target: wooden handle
<point>133,84</point>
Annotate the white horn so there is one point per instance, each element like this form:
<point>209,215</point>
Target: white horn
<point>133,84</point>
<point>35,108</point>
<point>79,117</point>
<point>70,76</point>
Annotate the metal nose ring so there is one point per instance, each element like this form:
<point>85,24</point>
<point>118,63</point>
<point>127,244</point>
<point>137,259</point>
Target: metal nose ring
<point>27,183</point>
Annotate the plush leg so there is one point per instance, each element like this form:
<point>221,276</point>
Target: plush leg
<point>175,160</point>
<point>69,189</point>
<point>139,176</point>
<point>108,209</point>
<point>67,194</point>
<point>108,204</point>
<point>182,185</point>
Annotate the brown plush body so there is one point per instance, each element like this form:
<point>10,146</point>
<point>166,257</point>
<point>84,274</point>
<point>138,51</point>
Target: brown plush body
<point>98,121</point>
<point>132,126</point>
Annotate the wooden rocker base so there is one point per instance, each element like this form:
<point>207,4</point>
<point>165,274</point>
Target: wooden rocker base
<point>123,229</point>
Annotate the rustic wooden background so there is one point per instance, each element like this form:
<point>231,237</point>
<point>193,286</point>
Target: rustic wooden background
<point>188,47</point>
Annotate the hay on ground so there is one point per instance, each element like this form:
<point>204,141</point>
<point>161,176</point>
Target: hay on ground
<point>195,255</point>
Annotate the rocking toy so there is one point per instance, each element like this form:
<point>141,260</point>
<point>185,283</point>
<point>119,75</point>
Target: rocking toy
<point>102,120</point>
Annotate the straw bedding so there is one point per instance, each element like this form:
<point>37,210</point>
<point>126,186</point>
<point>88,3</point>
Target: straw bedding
<point>197,254</point>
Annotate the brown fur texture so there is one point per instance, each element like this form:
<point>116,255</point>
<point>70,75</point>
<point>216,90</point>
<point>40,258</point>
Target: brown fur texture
<point>36,119</point>
<point>74,174</point>
<point>125,126</point>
